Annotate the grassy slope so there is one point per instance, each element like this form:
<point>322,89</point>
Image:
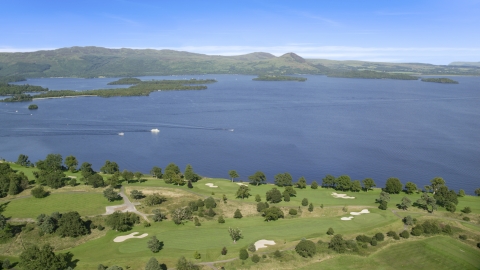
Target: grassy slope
<point>438,252</point>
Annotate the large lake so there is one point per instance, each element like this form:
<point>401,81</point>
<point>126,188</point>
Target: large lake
<point>360,127</point>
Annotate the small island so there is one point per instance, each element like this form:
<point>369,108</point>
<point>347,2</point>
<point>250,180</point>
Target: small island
<point>125,81</point>
<point>370,74</point>
<point>33,107</point>
<point>439,80</point>
<point>278,78</point>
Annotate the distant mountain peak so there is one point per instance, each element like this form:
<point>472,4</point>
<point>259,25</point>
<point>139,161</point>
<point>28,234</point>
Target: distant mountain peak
<point>294,57</point>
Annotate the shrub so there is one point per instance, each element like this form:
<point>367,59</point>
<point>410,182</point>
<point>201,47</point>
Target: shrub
<point>146,224</point>
<point>466,218</point>
<point>210,212</point>
<point>278,254</point>
<point>197,255</point>
<point>237,214</point>
<point>252,248</point>
<point>197,222</point>
<point>224,251</point>
<point>6,264</point>
<point>272,213</point>
<point>338,244</point>
<point>304,202</point>
<point>258,198</point>
<point>405,234</point>
<point>463,237</point>
<point>330,231</point>
<point>210,202</point>
<point>478,245</point>
<point>314,185</point>
<point>373,242</point>
<point>417,230</point>
<point>321,205</point>
<point>467,210</point>
<point>261,206</point>
<point>286,196</point>
<point>383,205</point>
<point>158,215</point>
<point>447,229</point>
<point>292,212</point>
<point>154,199</point>
<point>408,220</point>
<point>306,248</point>
<point>264,256</point>
<point>221,219</point>
<point>431,227</point>
<point>310,207</point>
<point>72,182</point>
<point>100,227</point>
<point>255,258</point>
<point>379,236</point>
<point>393,234</point>
<point>363,238</point>
<point>39,192</point>
<point>243,254</point>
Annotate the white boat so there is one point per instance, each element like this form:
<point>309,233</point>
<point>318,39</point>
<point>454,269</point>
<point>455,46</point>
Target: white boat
<point>155,130</point>
<point>121,133</point>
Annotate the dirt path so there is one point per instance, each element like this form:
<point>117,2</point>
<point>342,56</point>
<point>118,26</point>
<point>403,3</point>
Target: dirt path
<point>405,226</point>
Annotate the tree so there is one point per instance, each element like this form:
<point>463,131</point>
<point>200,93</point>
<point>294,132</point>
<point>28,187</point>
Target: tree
<point>338,244</point>
<point>445,196</point>
<point>111,195</point>
<point>393,185</point>
<point>368,184</point>
<point>122,221</point>
<point>304,202</point>
<point>343,182</point>
<point>356,186</point>
<point>127,176</point>
<point>156,172</point>
<point>221,219</point>
<point>306,248</point>
<point>405,234</point>
<point>23,160</point>
<point>302,183</point>
<point>154,199</point>
<point>405,203</point>
<point>292,192</point>
<point>436,183</point>
<point>286,196</point>
<point>172,174</point>
<point>257,178</point>
<point>310,207</point>
<point>235,234</point>
<point>330,231</point>
<point>461,193</point>
<point>243,191</point>
<point>43,258</point>
<point>384,196</point>
<point>274,196</point>
<point>183,264</point>
<point>180,214</point>
<point>224,251</point>
<point>6,264</point>
<point>410,187</point>
<point>255,258</point>
<point>328,181</point>
<point>52,163</point>
<point>237,214</point>
<point>426,201</point>
<point>210,202</point>
<point>158,215</point>
<point>314,185</point>
<point>233,174</point>
<point>467,210</point>
<point>71,225</point>
<point>153,264</point>
<point>243,254</point>
<point>258,198</point>
<point>477,191</point>
<point>272,213</point>
<point>189,174</point>
<point>138,176</point>
<point>261,206</point>
<point>283,179</point>
<point>95,180</point>
<point>137,195</point>
<point>110,167</point>
<point>154,244</point>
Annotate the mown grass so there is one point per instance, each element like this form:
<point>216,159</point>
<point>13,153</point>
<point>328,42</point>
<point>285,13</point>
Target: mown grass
<point>440,252</point>
<point>86,204</point>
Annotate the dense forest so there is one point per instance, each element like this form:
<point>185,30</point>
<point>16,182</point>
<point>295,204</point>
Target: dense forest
<point>439,80</point>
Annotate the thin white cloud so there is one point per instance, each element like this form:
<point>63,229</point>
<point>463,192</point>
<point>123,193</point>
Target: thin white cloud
<point>122,19</point>
<point>317,18</point>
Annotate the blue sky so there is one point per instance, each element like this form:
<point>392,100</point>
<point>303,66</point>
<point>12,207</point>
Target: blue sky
<point>437,32</point>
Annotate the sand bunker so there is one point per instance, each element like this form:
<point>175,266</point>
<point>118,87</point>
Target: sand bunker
<point>341,196</point>
<point>347,218</point>
<point>210,185</point>
<point>122,238</point>
<point>241,184</point>
<point>364,211</point>
<point>262,243</point>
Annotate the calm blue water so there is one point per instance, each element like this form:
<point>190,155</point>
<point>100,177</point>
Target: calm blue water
<point>363,128</point>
